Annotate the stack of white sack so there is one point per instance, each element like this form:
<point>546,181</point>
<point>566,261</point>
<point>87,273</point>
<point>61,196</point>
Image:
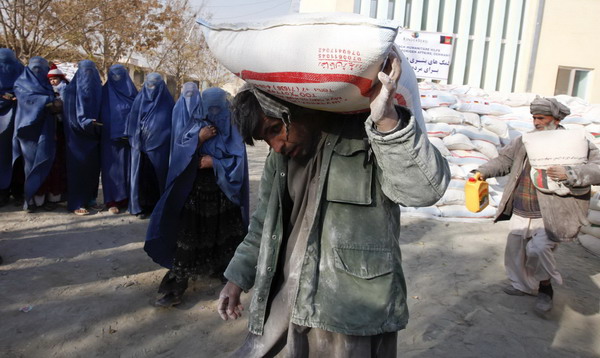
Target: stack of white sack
<point>469,126</point>
<point>589,236</point>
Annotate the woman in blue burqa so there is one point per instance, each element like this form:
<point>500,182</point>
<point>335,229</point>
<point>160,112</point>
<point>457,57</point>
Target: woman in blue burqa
<point>36,135</point>
<point>10,69</point>
<point>118,94</point>
<point>203,215</point>
<point>82,99</point>
<point>149,132</point>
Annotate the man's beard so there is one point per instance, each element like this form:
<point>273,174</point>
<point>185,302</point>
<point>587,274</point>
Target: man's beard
<point>548,127</point>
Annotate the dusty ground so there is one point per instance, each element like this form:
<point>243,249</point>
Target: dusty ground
<point>82,286</point>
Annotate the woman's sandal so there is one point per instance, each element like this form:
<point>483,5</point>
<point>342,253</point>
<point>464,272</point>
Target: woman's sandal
<point>113,210</point>
<point>81,212</point>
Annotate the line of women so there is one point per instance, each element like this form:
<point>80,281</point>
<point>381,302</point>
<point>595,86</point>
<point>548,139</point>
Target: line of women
<point>183,163</point>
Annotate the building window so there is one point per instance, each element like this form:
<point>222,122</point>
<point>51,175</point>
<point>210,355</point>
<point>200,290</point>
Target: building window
<point>573,82</point>
<point>373,12</point>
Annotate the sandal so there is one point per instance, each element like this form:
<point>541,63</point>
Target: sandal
<point>113,210</point>
<point>81,212</point>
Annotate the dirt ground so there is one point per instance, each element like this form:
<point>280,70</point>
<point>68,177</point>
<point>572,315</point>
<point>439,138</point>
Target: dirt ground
<point>82,286</point>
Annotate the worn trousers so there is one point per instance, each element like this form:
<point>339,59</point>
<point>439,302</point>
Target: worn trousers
<point>529,255</point>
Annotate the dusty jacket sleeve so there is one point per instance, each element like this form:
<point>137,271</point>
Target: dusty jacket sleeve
<point>411,171</point>
<point>586,174</point>
<point>501,165</point>
<point>242,267</point>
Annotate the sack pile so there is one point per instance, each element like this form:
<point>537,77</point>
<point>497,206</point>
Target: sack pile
<point>469,126</point>
<point>589,236</point>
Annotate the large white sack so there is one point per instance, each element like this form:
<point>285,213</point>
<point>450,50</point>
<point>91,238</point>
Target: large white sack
<point>481,106</point>
<point>464,157</point>
<point>436,98</point>
<point>486,148</point>
<point>426,116</point>
<point>322,61</point>
<point>558,147</point>
<point>458,141</point>
<point>439,144</point>
<point>572,126</point>
<point>461,211</point>
<point>478,134</point>
<point>452,197</point>
<point>512,99</point>
<point>457,184</point>
<point>521,126</point>
<point>595,202</point>
<point>456,171</point>
<point>575,104</point>
<point>472,119</point>
<point>427,211</point>
<point>590,243</point>
<point>575,119</point>
<point>445,115</point>
<point>496,125</point>
<point>470,168</point>
<point>594,217</point>
<point>592,112</point>
<point>439,130</point>
<point>591,230</point>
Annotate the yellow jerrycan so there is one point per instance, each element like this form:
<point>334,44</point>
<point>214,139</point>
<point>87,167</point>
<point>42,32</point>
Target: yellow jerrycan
<point>476,193</point>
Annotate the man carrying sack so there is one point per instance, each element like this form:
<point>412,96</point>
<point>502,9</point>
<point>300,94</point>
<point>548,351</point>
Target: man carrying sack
<point>322,253</point>
<point>546,204</point>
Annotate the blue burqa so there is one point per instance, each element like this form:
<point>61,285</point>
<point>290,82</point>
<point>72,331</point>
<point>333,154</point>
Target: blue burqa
<point>10,70</point>
<point>149,132</point>
<point>82,98</point>
<point>118,94</point>
<point>191,113</point>
<point>35,126</point>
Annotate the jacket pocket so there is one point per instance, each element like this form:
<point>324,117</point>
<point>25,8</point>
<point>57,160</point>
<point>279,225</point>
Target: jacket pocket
<point>363,262</point>
<point>350,173</point>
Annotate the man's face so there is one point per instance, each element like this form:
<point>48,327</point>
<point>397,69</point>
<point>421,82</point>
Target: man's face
<point>54,81</point>
<point>544,123</point>
<point>299,142</point>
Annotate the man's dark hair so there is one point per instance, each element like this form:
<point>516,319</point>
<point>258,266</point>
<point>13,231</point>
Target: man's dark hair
<point>247,115</point>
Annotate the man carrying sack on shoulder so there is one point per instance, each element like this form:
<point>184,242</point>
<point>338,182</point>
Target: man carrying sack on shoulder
<point>550,171</point>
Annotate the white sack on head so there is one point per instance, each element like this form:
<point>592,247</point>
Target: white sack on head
<point>326,61</point>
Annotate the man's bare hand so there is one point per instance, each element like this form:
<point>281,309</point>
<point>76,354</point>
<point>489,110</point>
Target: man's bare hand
<point>229,305</point>
<point>557,172</point>
<point>383,112</point>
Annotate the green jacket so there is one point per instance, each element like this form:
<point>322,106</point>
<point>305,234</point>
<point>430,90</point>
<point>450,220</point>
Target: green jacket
<point>351,279</point>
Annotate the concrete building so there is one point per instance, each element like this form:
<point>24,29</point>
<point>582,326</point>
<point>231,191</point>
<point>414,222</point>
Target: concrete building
<point>547,47</point>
